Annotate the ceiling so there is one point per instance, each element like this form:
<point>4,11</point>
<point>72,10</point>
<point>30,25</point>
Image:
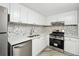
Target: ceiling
<point>48,9</point>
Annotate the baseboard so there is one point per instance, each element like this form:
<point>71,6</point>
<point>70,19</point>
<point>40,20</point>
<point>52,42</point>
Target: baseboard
<point>59,50</point>
<point>41,51</point>
<point>69,54</point>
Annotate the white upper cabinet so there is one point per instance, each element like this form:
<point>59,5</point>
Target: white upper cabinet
<point>41,20</point>
<point>44,20</point>
<point>69,18</point>
<point>18,13</point>
<point>35,18</point>
<point>14,12</point>
<point>32,17</point>
<point>23,14</point>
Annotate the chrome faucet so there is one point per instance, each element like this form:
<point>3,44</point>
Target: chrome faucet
<point>32,31</point>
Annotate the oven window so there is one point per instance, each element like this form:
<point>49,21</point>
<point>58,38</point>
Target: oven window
<point>57,43</point>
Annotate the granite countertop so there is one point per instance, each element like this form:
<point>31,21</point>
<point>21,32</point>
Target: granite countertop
<point>13,39</point>
<point>16,40</point>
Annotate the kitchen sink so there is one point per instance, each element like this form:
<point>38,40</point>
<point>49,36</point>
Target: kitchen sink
<point>31,36</point>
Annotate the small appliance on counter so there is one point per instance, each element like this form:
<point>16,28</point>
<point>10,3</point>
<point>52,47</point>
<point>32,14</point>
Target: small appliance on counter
<point>56,40</point>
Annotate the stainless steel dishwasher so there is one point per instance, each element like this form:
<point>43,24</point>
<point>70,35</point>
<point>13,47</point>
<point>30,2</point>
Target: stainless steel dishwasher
<point>23,49</point>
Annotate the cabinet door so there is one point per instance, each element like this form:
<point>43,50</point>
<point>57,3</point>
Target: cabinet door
<point>45,22</point>
<point>14,12</point>
<point>68,20</point>
<point>35,47</point>
<point>31,17</point>
<point>41,20</point>
<point>23,14</point>
<point>35,18</point>
<point>71,45</point>
<point>68,45</point>
<point>38,45</point>
<point>42,43</point>
<point>76,46</point>
<point>71,19</point>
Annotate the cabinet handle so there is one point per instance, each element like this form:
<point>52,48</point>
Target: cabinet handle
<point>17,47</point>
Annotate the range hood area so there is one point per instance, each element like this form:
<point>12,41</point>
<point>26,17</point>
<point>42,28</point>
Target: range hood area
<point>57,23</point>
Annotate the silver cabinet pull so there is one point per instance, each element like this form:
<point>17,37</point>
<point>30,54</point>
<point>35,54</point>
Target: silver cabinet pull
<point>17,47</point>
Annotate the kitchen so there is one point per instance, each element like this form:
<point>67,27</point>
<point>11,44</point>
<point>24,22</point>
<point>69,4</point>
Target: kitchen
<point>31,26</point>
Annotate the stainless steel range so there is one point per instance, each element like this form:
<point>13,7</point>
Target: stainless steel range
<point>56,41</point>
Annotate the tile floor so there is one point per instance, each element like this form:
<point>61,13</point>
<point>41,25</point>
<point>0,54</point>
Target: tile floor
<point>51,52</point>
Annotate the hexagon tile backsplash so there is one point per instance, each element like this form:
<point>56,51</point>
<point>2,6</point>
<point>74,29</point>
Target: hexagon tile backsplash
<point>21,30</point>
<point>71,30</point>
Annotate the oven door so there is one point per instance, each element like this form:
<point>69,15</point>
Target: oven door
<point>57,43</point>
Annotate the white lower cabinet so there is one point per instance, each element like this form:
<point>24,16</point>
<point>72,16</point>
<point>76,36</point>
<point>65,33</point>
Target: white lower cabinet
<point>71,45</point>
<point>38,45</point>
<point>35,47</point>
